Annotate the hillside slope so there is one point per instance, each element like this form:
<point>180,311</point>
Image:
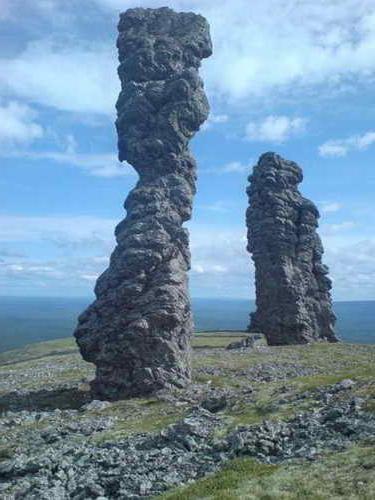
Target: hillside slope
<point>270,422</point>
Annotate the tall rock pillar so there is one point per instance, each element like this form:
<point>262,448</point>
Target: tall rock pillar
<point>138,330</point>
<point>292,287</point>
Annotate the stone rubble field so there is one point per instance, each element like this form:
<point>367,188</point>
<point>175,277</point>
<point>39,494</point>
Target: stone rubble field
<point>256,421</point>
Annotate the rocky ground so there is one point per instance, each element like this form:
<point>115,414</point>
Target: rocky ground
<point>268,422</point>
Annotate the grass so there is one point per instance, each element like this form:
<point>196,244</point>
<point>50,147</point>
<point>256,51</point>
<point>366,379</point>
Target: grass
<point>208,340</point>
<point>264,405</point>
<point>359,374</point>
<point>215,341</point>
<point>220,486</point>
<point>136,416</point>
<point>349,475</point>
<point>6,452</point>
<point>248,414</point>
<point>38,350</point>
<point>64,346</point>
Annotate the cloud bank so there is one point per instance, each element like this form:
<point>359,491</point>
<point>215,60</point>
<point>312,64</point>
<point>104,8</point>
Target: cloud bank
<point>18,124</point>
<point>275,129</point>
<point>260,48</point>
<point>341,147</point>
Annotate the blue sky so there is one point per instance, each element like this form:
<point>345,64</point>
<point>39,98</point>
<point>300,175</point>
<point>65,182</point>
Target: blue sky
<point>287,76</point>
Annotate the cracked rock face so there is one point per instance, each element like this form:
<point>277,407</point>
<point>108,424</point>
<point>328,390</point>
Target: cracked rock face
<point>293,298</point>
<point>137,331</point>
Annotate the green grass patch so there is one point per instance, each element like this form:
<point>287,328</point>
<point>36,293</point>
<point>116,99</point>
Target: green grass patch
<point>349,475</point>
<point>217,381</point>
<point>136,416</point>
<point>214,341</point>
<point>39,350</point>
<point>362,373</point>
<point>68,346</point>
<point>6,453</point>
<point>257,412</point>
<point>220,486</point>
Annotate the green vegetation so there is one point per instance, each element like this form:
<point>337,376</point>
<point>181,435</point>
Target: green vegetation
<point>56,366</point>
<point>6,452</point>
<point>39,350</point>
<point>137,415</point>
<point>361,373</point>
<point>349,475</point>
<point>211,341</point>
<point>221,485</point>
<point>68,346</point>
<point>58,362</point>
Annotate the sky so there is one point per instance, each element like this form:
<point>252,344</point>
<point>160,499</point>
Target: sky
<point>291,76</point>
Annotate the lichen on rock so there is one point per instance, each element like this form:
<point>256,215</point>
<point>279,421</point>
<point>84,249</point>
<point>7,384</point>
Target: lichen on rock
<point>292,287</point>
<point>138,330</point>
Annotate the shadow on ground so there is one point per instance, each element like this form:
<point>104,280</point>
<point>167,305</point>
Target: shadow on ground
<point>66,398</point>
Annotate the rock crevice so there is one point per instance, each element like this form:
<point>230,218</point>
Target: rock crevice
<point>138,330</point>
<point>292,287</point>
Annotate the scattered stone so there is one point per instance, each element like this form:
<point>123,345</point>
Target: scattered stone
<point>293,298</point>
<point>249,341</point>
<point>239,344</point>
<point>215,404</point>
<point>145,465</point>
<point>333,427</point>
<point>97,405</point>
<point>267,372</point>
<point>138,330</point>
<point>344,385</point>
<point>66,452</point>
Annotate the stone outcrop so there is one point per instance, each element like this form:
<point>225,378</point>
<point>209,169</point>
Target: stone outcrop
<point>137,331</point>
<point>292,287</point>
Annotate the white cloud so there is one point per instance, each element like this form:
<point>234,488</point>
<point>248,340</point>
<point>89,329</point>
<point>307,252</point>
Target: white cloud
<point>341,147</point>
<point>260,48</point>
<point>276,129</point>
<point>77,78</point>
<point>233,167</point>
<point>218,118</point>
<point>221,265</point>
<point>279,44</point>
<point>197,268</point>
<point>329,207</point>
<point>366,140</point>
<point>329,229</point>
<point>18,125</point>
<point>89,277</point>
<point>214,120</point>
<point>333,148</point>
<point>97,164</point>
<point>75,250</point>
<point>56,229</point>
<point>217,206</point>
<point>59,273</point>
<point>352,267</point>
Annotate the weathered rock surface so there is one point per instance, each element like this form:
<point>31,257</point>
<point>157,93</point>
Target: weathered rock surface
<point>137,332</point>
<point>292,287</point>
